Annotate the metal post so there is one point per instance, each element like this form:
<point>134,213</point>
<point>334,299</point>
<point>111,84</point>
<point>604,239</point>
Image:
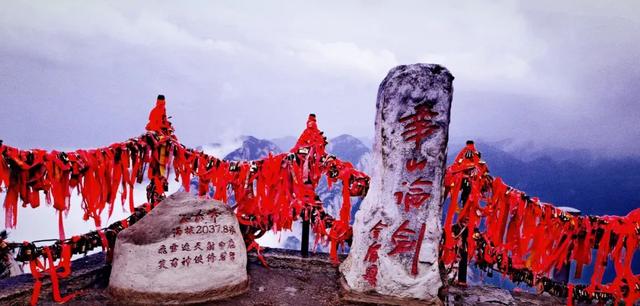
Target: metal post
<point>464,257</point>
<point>304,246</point>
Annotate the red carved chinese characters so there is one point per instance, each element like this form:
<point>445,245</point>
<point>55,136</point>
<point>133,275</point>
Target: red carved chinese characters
<point>184,218</point>
<point>418,126</point>
<point>371,275</point>
<point>415,164</point>
<point>186,261</point>
<point>401,239</point>
<point>194,253</point>
<point>412,195</point>
<point>375,231</point>
<point>162,249</point>
<point>213,214</point>
<point>177,231</point>
<point>416,256</point>
<point>198,217</point>
<point>372,252</point>
<point>198,246</point>
<point>415,196</point>
<point>403,243</point>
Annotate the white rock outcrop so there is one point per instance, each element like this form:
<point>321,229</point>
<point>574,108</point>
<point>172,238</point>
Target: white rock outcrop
<point>187,250</point>
<point>398,227</point>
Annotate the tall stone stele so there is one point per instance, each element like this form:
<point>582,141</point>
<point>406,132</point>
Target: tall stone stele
<point>397,230</point>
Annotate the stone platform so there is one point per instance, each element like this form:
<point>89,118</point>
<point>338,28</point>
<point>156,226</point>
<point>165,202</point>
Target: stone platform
<point>291,280</point>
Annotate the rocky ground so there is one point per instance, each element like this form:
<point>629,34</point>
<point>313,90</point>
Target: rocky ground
<point>290,280</point>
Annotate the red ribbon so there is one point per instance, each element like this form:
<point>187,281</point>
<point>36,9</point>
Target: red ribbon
<point>270,193</point>
<point>49,266</point>
<point>535,235</point>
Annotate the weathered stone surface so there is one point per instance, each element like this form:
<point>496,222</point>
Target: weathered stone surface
<point>88,272</point>
<point>187,250</point>
<point>397,229</point>
<point>479,295</point>
<point>9,267</point>
<point>315,280</point>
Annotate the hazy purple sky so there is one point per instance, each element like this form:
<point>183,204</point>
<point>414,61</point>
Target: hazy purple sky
<point>86,73</point>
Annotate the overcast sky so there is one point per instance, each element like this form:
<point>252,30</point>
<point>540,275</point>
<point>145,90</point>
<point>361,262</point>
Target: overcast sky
<point>86,73</point>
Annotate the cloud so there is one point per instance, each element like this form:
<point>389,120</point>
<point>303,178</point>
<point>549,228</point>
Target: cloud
<point>345,56</point>
<point>481,67</point>
<point>86,74</point>
<point>62,28</point>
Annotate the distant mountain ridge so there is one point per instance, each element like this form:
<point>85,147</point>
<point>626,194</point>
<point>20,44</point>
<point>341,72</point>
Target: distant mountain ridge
<point>573,178</point>
<point>563,177</point>
<point>348,148</point>
<point>596,186</point>
<point>253,148</point>
<point>345,147</point>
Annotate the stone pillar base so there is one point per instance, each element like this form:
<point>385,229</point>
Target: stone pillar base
<point>352,296</point>
<point>156,298</point>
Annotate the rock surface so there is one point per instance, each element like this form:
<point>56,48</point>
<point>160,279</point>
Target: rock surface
<point>488,295</point>
<point>187,250</point>
<point>397,229</point>
<point>253,148</point>
<point>315,280</point>
<point>479,296</point>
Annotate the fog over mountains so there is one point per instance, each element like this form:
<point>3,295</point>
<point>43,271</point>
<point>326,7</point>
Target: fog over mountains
<point>576,178</point>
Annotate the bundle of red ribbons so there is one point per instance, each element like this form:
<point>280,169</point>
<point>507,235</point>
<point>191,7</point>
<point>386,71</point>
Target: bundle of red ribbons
<point>510,231</point>
<point>274,192</point>
<point>42,259</point>
<point>270,193</point>
<point>97,176</point>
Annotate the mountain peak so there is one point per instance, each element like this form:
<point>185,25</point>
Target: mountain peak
<point>253,148</point>
<point>347,147</point>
